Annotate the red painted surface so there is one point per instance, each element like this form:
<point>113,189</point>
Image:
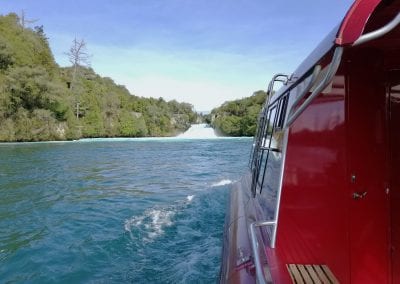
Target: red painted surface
<point>313,222</point>
<point>346,132</point>
<point>354,22</point>
<point>367,161</point>
<point>394,125</point>
<point>352,129</point>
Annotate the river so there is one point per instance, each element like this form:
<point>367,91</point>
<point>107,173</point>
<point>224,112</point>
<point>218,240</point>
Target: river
<point>116,210</point>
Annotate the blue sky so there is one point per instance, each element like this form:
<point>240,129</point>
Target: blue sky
<point>203,52</point>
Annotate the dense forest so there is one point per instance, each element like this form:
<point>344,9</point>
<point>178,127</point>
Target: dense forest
<point>238,117</point>
<point>37,101</point>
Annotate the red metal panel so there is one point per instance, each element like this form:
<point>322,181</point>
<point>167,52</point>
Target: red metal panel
<point>394,126</point>
<point>354,23</point>
<point>367,167</point>
<point>313,226</point>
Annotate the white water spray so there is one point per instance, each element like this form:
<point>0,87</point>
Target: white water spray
<point>199,131</point>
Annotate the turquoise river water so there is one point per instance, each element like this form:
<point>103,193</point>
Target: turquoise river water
<point>116,210</point>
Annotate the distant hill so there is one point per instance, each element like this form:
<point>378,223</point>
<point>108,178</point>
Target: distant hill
<point>37,104</point>
<point>238,117</point>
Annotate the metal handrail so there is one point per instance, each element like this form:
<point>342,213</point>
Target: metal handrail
<point>253,162</point>
<point>254,246</point>
<point>270,89</point>
<point>255,139</point>
<point>278,201</point>
<point>314,76</point>
<point>274,79</point>
<point>328,78</point>
<point>379,32</point>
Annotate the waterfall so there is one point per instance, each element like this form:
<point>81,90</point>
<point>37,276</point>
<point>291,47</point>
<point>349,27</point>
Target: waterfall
<point>199,131</point>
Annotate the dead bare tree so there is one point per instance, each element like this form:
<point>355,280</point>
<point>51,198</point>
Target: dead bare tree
<point>78,57</point>
<point>24,21</point>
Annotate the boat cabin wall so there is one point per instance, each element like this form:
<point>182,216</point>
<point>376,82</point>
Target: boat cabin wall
<point>313,224</point>
<point>341,189</point>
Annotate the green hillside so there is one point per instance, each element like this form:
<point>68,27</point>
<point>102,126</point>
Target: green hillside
<point>37,104</point>
<point>239,117</point>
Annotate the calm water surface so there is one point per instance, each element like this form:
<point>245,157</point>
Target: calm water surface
<point>115,211</point>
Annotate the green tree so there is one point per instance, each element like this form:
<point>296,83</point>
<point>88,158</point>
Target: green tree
<point>239,117</point>
<point>38,99</point>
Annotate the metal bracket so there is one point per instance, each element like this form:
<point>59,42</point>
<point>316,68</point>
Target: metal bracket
<point>379,32</point>
<point>359,195</point>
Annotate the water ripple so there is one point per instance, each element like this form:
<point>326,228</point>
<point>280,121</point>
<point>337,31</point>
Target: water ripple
<point>115,211</point>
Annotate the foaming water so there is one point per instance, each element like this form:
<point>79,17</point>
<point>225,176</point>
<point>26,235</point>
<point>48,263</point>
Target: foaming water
<point>199,131</point>
<point>153,221</point>
<point>222,182</point>
<point>189,250</point>
<point>115,211</point>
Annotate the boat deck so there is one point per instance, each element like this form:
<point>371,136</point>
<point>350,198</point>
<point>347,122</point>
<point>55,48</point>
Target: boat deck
<point>311,274</point>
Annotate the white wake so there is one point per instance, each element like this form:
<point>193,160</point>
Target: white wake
<point>222,182</point>
<point>155,220</point>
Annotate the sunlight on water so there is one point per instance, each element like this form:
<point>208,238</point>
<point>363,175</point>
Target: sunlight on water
<point>137,211</point>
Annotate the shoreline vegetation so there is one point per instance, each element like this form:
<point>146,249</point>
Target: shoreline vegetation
<point>37,103</point>
<point>41,101</point>
<point>239,117</point>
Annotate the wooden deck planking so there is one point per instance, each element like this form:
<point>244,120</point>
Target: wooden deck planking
<point>330,275</point>
<point>321,274</point>
<point>295,274</point>
<point>311,273</point>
